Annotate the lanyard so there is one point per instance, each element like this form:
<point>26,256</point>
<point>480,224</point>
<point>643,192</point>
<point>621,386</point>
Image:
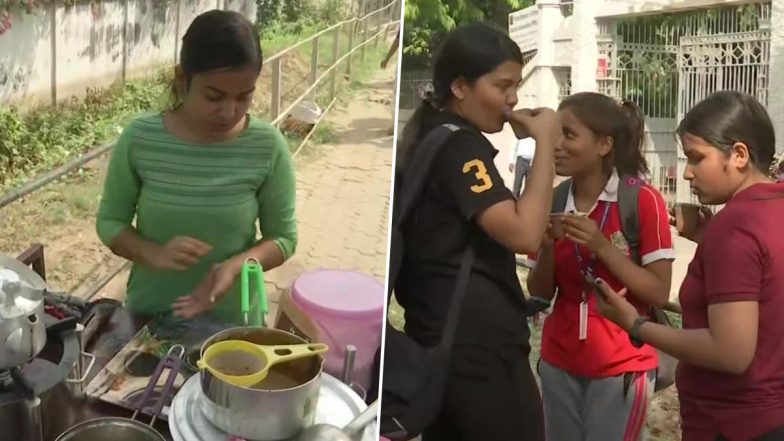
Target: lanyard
<point>588,268</point>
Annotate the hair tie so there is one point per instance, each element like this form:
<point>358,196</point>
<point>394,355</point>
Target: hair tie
<point>776,170</point>
<point>427,94</point>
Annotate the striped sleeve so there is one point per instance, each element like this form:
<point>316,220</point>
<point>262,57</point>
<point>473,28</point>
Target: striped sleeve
<point>655,233</point>
<point>277,200</point>
<point>120,193</point>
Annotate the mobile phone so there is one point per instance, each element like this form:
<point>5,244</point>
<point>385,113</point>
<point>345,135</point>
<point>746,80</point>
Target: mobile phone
<point>591,281</point>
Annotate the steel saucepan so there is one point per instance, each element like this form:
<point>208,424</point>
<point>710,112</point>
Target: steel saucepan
<point>279,407</point>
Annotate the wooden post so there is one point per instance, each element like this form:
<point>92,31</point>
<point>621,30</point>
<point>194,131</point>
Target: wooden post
<point>335,51</point>
<point>276,75</point>
<point>53,40</point>
<point>354,28</point>
<point>364,39</point>
<point>124,72</point>
<point>314,60</point>
<point>176,33</point>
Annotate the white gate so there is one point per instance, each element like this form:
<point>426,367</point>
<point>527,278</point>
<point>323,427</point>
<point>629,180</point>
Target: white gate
<point>710,63</point>
<point>667,64</point>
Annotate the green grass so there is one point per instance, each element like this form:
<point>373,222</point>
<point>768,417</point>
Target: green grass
<point>325,134</point>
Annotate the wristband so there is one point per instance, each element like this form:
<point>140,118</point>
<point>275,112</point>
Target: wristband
<point>634,332</point>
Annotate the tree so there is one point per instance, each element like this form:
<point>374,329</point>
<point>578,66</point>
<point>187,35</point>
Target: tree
<point>427,21</point>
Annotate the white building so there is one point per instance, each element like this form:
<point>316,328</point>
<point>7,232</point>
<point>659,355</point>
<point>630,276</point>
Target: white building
<point>666,55</point>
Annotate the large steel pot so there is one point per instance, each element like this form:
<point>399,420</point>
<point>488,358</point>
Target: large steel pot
<point>279,407</point>
<point>112,428</point>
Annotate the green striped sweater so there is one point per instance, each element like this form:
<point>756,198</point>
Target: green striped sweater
<point>213,192</point>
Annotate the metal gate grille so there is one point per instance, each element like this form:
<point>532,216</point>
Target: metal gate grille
<point>706,64</point>
<point>666,64</point>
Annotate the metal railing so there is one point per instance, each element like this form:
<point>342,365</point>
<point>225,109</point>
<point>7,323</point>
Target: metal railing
<point>356,33</point>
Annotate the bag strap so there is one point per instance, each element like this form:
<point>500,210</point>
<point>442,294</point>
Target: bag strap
<point>414,177</point>
<point>629,209</point>
<point>408,186</point>
<point>560,195</point>
<point>455,305</point>
<point>417,170</point>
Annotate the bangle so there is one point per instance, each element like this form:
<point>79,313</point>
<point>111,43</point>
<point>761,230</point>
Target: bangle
<point>634,332</point>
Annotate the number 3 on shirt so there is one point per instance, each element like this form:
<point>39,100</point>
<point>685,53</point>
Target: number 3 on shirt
<point>480,172</point>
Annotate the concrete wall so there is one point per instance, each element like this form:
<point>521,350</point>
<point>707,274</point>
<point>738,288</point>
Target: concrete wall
<point>59,51</point>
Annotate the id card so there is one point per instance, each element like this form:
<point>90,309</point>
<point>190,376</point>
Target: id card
<point>583,320</point>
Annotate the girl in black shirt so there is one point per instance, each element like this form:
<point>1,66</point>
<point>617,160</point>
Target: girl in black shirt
<point>491,393</point>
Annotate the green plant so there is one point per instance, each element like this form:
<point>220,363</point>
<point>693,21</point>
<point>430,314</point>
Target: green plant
<point>427,21</point>
<point>47,137</point>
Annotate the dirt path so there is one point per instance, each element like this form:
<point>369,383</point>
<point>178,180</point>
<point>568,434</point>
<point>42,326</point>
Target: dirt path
<point>343,191</point>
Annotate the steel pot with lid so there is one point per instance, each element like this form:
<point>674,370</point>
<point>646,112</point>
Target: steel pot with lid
<point>279,407</point>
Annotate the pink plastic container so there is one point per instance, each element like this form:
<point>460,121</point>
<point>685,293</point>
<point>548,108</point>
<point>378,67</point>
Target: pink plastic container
<point>348,309</point>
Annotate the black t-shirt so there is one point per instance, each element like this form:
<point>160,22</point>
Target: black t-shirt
<point>464,182</point>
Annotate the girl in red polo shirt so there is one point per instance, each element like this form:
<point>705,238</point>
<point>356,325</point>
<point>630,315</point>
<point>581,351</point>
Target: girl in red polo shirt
<point>595,385</point>
<point>731,376</point>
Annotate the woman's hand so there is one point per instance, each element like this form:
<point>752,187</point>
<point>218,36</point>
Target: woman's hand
<point>614,306</point>
<point>540,124</point>
<point>692,221</point>
<point>582,230</point>
<point>178,254</point>
<point>210,290</point>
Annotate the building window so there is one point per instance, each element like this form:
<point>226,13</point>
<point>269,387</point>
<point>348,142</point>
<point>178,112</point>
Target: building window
<point>564,77</point>
<point>567,7</point>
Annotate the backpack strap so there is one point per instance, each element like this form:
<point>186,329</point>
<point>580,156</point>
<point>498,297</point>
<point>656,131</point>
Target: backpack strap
<point>629,208</point>
<point>408,186</point>
<point>418,168</point>
<point>560,196</point>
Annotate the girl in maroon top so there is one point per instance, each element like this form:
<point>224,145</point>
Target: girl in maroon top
<point>731,375</point>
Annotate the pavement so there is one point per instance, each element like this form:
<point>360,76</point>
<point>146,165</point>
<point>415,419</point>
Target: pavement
<point>343,191</point>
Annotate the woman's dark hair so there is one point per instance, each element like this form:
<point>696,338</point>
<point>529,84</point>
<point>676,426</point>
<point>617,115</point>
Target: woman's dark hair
<point>218,39</point>
<point>468,52</point>
<point>622,121</point>
<point>728,117</point>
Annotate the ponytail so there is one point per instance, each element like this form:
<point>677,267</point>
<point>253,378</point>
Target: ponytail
<point>411,133</point>
<point>628,157</point>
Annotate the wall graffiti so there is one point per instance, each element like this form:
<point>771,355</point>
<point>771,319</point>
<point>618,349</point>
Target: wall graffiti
<point>13,79</point>
<point>160,12</point>
<point>96,41</point>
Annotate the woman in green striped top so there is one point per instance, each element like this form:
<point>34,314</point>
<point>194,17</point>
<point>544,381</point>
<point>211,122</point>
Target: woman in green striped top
<point>197,178</point>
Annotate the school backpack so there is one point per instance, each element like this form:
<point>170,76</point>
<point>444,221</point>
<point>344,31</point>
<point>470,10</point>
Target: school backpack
<point>415,376</point>
<point>628,194</point>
